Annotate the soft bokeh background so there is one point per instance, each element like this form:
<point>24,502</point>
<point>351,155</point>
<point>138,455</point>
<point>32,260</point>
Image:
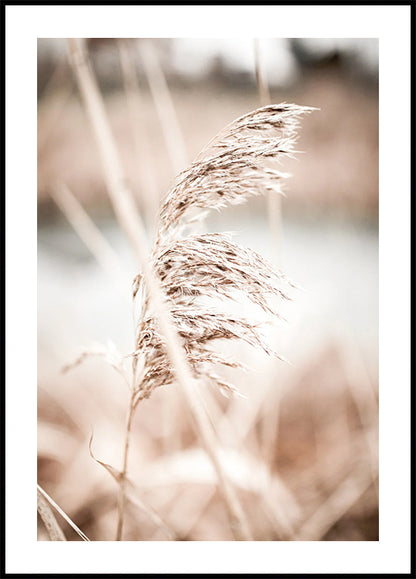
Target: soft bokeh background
<point>301,448</point>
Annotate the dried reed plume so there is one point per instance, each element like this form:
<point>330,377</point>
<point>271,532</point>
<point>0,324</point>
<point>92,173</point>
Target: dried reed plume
<point>195,268</point>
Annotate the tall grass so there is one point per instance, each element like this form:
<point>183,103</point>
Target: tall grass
<point>174,330</point>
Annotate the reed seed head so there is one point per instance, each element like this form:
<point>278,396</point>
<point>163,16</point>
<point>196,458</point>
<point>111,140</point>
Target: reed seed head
<point>198,269</point>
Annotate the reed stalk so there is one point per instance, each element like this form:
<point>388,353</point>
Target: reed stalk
<point>54,530</point>
<point>130,220</point>
<point>165,108</point>
<point>274,202</point>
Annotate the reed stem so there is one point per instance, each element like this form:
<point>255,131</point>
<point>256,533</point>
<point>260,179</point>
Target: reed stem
<point>122,484</point>
<point>131,221</point>
<point>274,201</point>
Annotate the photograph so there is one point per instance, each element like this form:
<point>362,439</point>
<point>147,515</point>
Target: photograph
<point>208,289</point>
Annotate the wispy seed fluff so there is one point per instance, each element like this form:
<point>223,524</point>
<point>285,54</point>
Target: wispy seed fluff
<point>196,269</point>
